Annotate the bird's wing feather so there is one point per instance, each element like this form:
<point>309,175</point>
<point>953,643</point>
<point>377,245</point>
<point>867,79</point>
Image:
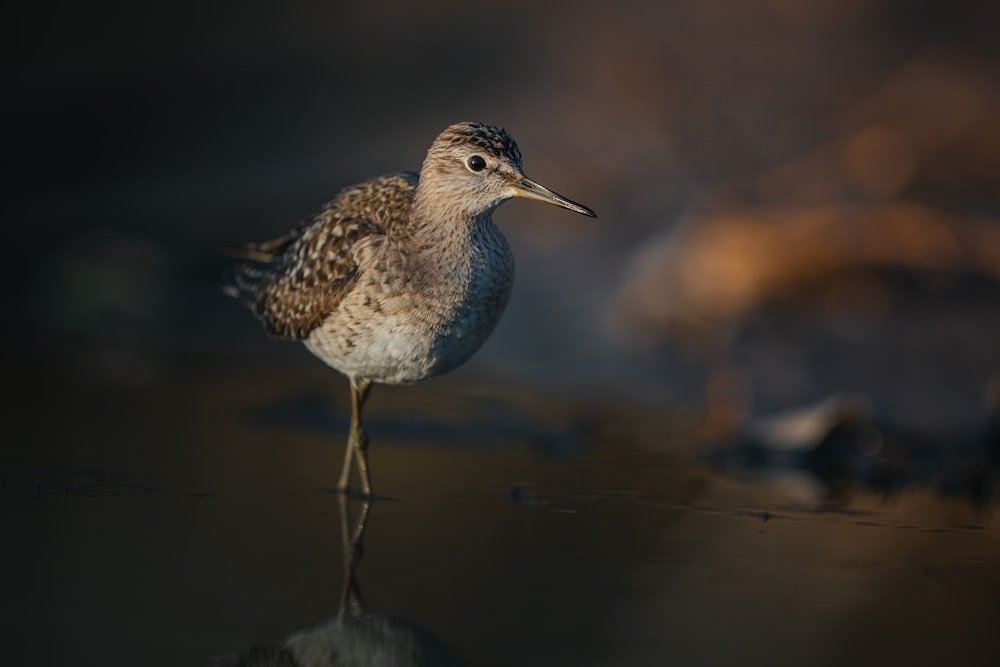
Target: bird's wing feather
<point>300,278</point>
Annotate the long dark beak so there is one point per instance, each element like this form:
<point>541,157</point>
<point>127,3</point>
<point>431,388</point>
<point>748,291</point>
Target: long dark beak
<point>529,189</point>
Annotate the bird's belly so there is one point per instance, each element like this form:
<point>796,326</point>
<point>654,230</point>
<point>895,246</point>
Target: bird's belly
<point>406,341</point>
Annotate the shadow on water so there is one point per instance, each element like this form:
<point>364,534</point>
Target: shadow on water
<point>486,423</point>
<point>355,636</point>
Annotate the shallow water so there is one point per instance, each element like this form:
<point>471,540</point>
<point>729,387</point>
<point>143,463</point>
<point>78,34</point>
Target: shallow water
<point>195,520</point>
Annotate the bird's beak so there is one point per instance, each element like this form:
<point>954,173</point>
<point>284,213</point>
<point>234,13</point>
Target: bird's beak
<point>529,189</point>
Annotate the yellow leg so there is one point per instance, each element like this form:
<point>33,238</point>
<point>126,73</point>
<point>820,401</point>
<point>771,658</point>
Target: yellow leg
<point>345,473</point>
<point>357,441</point>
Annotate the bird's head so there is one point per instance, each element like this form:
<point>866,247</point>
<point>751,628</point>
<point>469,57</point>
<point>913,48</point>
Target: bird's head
<point>477,167</point>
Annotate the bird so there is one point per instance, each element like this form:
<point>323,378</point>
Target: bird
<point>398,278</point>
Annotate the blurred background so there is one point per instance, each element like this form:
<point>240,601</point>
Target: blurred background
<point>793,200</point>
<point>798,210</point>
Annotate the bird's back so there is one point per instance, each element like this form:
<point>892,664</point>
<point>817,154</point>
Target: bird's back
<point>295,282</point>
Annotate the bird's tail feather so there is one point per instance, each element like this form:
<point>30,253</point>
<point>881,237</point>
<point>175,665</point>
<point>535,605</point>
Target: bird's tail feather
<point>246,280</point>
<point>250,251</point>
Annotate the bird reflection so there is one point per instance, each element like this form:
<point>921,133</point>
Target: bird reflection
<point>355,636</point>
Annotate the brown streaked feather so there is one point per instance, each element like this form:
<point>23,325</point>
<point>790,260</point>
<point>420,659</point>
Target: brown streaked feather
<point>265,251</point>
<point>250,251</point>
<point>305,274</point>
<point>495,140</point>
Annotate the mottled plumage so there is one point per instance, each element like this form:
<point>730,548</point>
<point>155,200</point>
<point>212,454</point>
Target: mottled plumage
<point>305,274</point>
<point>401,277</point>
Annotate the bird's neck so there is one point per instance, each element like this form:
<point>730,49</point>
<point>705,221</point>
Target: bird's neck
<point>444,239</point>
<point>441,202</point>
<point>441,215</point>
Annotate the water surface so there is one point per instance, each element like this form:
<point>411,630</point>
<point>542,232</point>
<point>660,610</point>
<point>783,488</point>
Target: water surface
<point>196,520</point>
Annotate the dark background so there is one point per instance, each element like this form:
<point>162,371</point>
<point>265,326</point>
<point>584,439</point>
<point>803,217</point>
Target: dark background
<point>139,139</point>
<point>796,201</point>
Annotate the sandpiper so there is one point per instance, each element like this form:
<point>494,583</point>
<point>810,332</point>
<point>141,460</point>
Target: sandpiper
<point>398,278</point>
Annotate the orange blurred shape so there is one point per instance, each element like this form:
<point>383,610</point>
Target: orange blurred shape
<point>721,267</point>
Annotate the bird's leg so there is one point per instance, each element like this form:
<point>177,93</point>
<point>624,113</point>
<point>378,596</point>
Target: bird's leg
<point>345,473</point>
<point>360,436</point>
<point>357,443</point>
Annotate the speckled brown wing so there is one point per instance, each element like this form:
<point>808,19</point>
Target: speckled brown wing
<point>300,278</point>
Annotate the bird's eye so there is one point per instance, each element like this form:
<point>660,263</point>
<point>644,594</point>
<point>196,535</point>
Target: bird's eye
<point>476,163</point>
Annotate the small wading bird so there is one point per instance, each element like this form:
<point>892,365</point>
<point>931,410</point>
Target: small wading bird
<point>401,277</point>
